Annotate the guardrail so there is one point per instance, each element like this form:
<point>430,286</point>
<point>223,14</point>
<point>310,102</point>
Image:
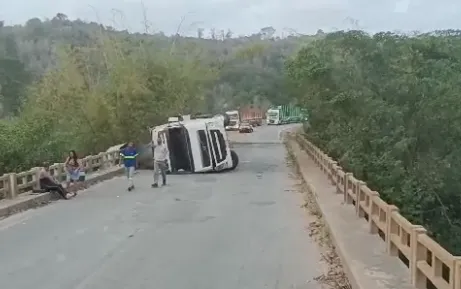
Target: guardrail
<point>14,184</point>
<point>430,265</point>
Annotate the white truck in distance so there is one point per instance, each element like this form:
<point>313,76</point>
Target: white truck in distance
<point>273,116</point>
<point>234,120</point>
<point>196,145</point>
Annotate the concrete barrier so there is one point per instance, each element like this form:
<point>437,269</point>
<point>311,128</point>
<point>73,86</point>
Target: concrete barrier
<point>429,264</point>
<point>16,188</point>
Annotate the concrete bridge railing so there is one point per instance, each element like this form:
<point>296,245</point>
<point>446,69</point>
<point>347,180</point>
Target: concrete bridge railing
<point>12,185</point>
<point>430,265</point>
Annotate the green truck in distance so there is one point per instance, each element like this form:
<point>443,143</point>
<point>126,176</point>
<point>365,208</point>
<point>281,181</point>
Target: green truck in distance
<point>284,114</point>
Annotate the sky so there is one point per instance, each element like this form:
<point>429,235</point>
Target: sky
<point>244,17</point>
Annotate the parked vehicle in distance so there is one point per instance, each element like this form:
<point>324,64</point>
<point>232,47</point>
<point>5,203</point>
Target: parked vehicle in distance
<point>273,116</point>
<point>250,114</point>
<point>253,115</point>
<point>245,127</point>
<point>234,120</point>
<point>197,145</point>
<point>284,114</point>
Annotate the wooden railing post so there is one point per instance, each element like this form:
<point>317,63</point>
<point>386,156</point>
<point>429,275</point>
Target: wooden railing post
<point>414,255</point>
<point>334,172</point>
<point>346,186</point>
<point>12,191</point>
<point>390,210</point>
<point>104,161</point>
<point>36,178</point>
<point>373,228</point>
<point>87,165</point>
<point>339,176</point>
<point>359,196</point>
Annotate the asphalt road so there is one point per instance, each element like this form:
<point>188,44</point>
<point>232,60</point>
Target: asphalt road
<point>237,230</point>
<point>262,134</point>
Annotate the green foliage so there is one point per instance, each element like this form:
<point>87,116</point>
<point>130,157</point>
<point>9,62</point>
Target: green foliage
<point>74,85</point>
<point>91,107</point>
<point>388,107</point>
<point>13,76</point>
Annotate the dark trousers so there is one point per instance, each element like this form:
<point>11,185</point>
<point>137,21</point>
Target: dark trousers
<point>48,186</point>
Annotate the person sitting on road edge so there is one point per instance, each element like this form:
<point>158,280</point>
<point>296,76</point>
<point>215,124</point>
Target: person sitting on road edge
<point>49,184</point>
<point>160,162</point>
<point>129,155</point>
<point>73,168</point>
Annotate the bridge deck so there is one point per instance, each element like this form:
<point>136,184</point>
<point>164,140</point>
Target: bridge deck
<point>241,229</point>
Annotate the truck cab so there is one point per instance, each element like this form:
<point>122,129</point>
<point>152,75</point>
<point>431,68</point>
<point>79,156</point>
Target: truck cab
<point>196,145</point>
<point>273,116</point>
<point>234,120</point>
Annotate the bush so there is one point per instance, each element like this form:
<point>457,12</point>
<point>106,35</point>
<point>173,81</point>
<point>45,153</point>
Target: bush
<point>387,107</point>
<point>89,106</point>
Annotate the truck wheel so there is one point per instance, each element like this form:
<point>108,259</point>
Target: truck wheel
<point>235,160</point>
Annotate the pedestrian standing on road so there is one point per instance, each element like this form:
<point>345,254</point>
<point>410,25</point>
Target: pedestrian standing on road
<point>73,168</point>
<point>160,162</point>
<point>129,155</point>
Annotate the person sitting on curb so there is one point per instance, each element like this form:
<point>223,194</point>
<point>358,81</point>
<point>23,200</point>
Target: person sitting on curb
<point>49,184</point>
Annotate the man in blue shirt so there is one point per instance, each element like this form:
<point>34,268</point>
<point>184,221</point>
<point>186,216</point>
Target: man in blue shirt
<point>129,155</point>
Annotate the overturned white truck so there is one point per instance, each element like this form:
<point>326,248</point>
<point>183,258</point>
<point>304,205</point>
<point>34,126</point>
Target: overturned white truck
<point>196,145</point>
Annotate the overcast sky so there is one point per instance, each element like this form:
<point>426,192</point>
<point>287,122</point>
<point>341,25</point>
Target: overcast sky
<point>247,16</point>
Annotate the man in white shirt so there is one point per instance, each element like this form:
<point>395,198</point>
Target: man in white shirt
<point>160,162</point>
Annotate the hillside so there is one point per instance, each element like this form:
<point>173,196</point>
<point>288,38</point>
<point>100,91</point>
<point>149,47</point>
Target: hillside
<point>386,106</point>
<point>34,48</point>
<point>74,85</point>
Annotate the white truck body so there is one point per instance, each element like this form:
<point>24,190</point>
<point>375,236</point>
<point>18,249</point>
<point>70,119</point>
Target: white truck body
<point>196,145</point>
<point>234,120</point>
<point>273,116</point>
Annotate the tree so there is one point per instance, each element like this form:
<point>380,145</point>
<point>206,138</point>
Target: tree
<point>387,107</point>
<point>228,34</point>
<point>213,33</point>
<point>13,76</point>
<point>33,22</point>
<point>61,17</point>
<point>116,83</point>
<point>200,33</point>
<point>267,32</point>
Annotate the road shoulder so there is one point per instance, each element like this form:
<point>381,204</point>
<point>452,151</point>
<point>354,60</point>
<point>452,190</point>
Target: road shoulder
<point>29,200</point>
<point>364,257</point>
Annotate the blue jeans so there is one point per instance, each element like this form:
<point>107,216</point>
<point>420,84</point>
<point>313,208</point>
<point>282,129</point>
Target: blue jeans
<point>129,171</point>
<point>73,175</point>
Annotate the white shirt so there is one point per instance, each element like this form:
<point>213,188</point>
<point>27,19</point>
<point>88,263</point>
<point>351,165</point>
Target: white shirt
<point>160,153</point>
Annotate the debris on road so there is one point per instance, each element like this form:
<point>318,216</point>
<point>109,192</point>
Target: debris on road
<point>333,276</point>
